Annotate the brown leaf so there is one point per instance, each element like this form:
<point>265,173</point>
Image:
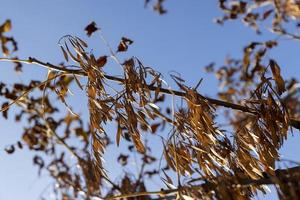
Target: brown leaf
<point>65,54</point>
<point>78,82</point>
<point>83,43</point>
<point>154,127</point>
<point>5,109</point>
<point>118,137</point>
<point>123,159</point>
<point>92,92</point>
<point>91,28</point>
<point>267,14</point>
<point>280,85</point>
<point>97,145</point>
<point>18,67</point>
<point>101,61</point>
<point>6,26</point>
<point>123,45</point>
<point>138,143</point>
<point>168,177</point>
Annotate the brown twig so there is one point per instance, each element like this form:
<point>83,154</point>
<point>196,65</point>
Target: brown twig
<point>28,91</point>
<point>293,122</point>
<point>208,186</point>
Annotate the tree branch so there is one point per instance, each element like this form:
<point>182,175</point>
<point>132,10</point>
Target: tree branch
<point>293,122</point>
<point>208,186</point>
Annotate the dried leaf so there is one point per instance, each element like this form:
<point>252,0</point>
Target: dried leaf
<point>78,82</point>
<point>154,127</point>
<point>101,61</point>
<point>118,136</point>
<point>65,54</point>
<point>6,27</point>
<point>280,85</point>
<point>91,28</point>
<point>123,159</point>
<point>267,14</point>
<point>83,43</point>
<point>5,107</point>
<point>123,45</point>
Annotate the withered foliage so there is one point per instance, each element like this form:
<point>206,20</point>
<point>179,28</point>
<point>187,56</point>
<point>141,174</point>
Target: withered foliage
<point>198,158</point>
<point>158,6</point>
<point>8,44</point>
<point>282,15</point>
<point>6,27</point>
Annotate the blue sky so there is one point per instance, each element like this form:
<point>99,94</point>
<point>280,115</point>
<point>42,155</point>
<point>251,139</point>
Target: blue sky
<point>184,40</point>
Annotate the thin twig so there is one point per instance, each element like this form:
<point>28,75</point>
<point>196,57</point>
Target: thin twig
<point>293,122</point>
<point>27,92</point>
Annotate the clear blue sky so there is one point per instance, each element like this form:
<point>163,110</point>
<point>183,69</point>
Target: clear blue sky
<point>184,40</point>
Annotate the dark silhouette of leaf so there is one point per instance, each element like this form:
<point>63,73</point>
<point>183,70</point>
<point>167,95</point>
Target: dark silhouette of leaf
<point>91,28</point>
<point>65,54</point>
<point>10,149</point>
<point>101,61</point>
<point>5,110</point>
<point>123,45</point>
